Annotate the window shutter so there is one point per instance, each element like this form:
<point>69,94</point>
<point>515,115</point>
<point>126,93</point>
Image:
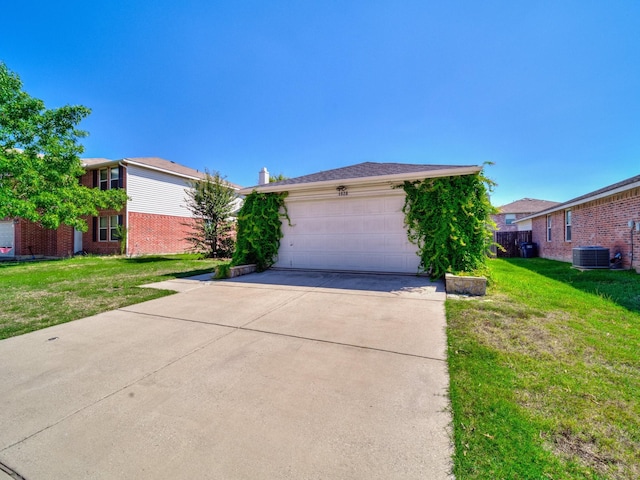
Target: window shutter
<point>95,178</point>
<point>120,178</point>
<point>120,219</point>
<point>95,229</point>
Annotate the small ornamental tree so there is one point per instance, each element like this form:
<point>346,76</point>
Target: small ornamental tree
<point>260,229</point>
<point>40,164</point>
<point>449,219</point>
<point>212,202</point>
<point>277,178</point>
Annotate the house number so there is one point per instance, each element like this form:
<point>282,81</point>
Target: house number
<point>342,191</point>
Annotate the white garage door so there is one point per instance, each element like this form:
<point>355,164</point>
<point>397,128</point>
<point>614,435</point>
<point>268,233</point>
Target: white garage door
<point>6,238</point>
<point>344,233</point>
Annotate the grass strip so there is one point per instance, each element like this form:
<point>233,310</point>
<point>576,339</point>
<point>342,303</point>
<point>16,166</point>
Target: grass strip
<point>35,295</point>
<point>545,374</point>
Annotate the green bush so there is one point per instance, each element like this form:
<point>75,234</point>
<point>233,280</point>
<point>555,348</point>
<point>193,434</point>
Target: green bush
<point>260,229</point>
<point>449,219</point>
<point>222,271</point>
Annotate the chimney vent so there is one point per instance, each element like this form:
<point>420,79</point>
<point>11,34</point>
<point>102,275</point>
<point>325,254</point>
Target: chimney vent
<point>263,176</point>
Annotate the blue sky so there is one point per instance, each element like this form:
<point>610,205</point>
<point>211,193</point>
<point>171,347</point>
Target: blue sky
<point>548,91</point>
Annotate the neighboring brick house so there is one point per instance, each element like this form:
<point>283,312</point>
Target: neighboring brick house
<point>509,213</point>
<point>20,238</point>
<point>155,216</point>
<point>608,217</point>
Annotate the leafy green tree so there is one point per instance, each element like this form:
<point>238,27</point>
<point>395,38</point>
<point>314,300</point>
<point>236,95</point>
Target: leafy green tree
<point>277,178</point>
<point>212,202</point>
<point>39,161</point>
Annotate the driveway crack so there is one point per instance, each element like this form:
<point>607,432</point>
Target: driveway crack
<point>10,471</point>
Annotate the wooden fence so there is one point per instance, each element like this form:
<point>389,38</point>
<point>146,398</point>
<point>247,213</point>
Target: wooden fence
<point>511,241</point>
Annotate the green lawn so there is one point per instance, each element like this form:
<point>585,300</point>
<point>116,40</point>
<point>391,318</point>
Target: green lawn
<point>36,295</point>
<point>545,374</point>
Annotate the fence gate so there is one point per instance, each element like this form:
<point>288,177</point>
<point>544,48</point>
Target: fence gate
<point>511,241</point>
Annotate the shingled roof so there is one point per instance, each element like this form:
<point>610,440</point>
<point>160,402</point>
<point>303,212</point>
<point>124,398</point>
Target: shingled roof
<point>527,205</point>
<point>162,164</point>
<point>372,171</point>
<point>624,185</point>
<point>155,163</point>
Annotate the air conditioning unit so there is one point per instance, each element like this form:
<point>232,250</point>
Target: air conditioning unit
<point>591,257</point>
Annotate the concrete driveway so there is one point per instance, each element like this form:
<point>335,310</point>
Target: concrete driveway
<point>274,375</point>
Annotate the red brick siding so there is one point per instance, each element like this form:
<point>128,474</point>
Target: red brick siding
<point>96,247</point>
<point>149,233</point>
<point>87,178</point>
<point>32,239</point>
<point>90,245</point>
<point>601,222</point>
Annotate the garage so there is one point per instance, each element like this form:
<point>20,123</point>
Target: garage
<point>350,219</point>
<point>7,238</point>
<point>364,233</point>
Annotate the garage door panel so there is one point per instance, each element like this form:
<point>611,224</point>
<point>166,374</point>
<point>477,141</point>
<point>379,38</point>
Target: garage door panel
<point>315,209</point>
<point>398,244</point>
<point>376,208</point>
<point>7,236</point>
<point>333,261</point>
<point>309,225</point>
<point>373,224</point>
<point>356,207</point>
<point>336,224</point>
<point>374,243</point>
<point>354,224</point>
<point>395,262</point>
<point>394,223</point>
<point>361,234</point>
<point>393,204</point>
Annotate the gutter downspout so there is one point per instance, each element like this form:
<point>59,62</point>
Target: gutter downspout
<point>126,207</point>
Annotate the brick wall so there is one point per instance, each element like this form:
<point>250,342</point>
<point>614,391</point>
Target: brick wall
<point>32,239</point>
<point>601,222</point>
<point>90,242</point>
<point>149,233</point>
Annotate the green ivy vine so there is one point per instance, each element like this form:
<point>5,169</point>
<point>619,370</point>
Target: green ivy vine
<point>259,229</point>
<point>449,219</point>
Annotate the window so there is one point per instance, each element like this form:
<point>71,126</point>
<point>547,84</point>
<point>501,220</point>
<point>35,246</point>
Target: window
<point>109,178</point>
<point>567,225</point>
<point>114,175</point>
<point>104,180</point>
<point>509,218</point>
<point>548,228</point>
<point>114,223</point>
<point>108,228</point>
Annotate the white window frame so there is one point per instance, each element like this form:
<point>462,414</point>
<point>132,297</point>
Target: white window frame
<point>103,178</point>
<point>509,218</point>
<point>107,228</point>
<point>549,224</point>
<point>567,225</point>
<point>114,176</point>
<point>107,177</point>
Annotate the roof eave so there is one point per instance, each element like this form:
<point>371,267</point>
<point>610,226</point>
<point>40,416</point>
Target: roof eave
<point>128,161</point>
<point>106,163</point>
<point>581,200</point>
<point>377,179</point>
